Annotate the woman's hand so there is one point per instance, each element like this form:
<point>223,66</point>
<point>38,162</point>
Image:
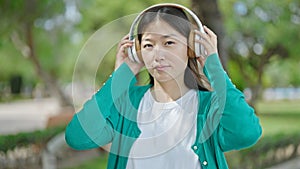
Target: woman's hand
<point>209,41</point>
<point>122,55</point>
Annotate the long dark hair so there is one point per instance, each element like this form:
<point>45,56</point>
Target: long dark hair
<point>177,19</point>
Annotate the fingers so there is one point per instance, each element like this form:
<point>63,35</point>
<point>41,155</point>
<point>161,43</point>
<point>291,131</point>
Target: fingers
<point>208,40</point>
<point>209,35</point>
<point>208,48</point>
<point>123,41</point>
<point>126,45</point>
<point>123,45</point>
<point>210,32</point>
<point>122,55</point>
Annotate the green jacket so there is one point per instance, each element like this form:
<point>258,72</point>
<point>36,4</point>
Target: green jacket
<point>224,122</point>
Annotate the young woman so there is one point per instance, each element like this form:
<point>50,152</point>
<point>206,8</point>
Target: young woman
<point>186,117</point>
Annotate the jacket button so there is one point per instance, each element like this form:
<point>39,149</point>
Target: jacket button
<point>204,163</point>
<point>195,147</point>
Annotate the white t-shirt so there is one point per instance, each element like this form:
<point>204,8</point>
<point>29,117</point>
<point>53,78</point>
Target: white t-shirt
<point>168,130</point>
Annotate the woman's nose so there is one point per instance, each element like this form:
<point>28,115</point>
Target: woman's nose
<point>159,53</point>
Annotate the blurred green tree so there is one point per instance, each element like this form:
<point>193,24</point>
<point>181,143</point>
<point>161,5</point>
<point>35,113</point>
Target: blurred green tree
<point>258,33</point>
<point>50,33</point>
<point>40,31</point>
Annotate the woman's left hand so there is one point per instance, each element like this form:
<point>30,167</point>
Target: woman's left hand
<point>209,41</point>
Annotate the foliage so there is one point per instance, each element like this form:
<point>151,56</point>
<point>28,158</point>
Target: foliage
<point>260,33</point>
<point>268,151</point>
<point>52,36</point>
<point>13,20</point>
<point>59,29</point>
<point>40,137</point>
<point>62,27</point>
<point>283,73</point>
<point>41,31</point>
<point>98,13</point>
<point>253,23</point>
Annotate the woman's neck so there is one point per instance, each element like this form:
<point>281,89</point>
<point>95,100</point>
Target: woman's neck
<point>169,90</point>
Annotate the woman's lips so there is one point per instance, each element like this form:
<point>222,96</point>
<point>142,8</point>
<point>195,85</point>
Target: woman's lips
<point>161,67</point>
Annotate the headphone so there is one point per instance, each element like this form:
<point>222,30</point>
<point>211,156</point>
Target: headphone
<point>132,53</point>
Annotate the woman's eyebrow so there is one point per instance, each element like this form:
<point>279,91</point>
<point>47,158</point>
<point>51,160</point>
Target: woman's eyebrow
<point>146,39</point>
<point>174,36</point>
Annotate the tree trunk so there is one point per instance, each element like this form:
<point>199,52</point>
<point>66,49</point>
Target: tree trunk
<point>54,88</point>
<point>210,15</point>
<point>256,92</point>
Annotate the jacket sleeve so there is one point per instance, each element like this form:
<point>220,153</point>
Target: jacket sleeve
<point>230,116</point>
<point>91,127</point>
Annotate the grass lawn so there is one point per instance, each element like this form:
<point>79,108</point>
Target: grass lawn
<point>279,117</point>
<point>276,117</point>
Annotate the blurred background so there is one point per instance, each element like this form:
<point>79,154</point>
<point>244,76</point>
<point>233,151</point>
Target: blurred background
<point>40,45</point>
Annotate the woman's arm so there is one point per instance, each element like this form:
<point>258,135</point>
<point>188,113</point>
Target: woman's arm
<point>238,125</point>
<point>229,114</point>
<point>93,125</point>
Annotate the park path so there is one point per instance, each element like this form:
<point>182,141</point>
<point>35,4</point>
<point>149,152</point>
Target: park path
<point>30,115</point>
<point>26,115</point>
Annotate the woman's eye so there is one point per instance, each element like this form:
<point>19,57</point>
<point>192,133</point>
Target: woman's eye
<point>168,43</point>
<point>147,46</point>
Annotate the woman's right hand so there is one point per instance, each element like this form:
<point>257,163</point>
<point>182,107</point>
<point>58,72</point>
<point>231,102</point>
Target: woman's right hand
<point>122,55</point>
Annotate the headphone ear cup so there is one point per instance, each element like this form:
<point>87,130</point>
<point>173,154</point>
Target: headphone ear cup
<point>138,50</point>
<point>198,47</point>
<point>132,53</point>
<point>191,45</point>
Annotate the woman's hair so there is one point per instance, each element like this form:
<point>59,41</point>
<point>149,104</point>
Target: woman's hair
<point>178,20</point>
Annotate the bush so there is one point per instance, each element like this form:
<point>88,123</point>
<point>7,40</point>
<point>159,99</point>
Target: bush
<point>40,137</point>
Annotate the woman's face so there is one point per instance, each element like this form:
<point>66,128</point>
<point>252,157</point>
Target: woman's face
<point>164,51</point>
